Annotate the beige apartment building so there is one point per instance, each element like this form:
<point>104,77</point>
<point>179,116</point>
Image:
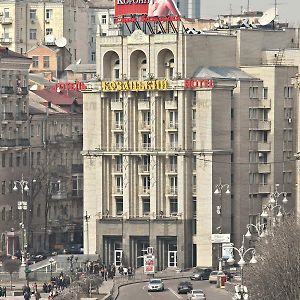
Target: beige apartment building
<point>157,144</point>
<point>26,24</point>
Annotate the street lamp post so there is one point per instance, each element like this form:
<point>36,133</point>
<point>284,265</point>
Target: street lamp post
<point>218,191</point>
<point>273,211</point>
<point>51,261</point>
<point>87,219</point>
<point>241,291</point>
<point>22,205</point>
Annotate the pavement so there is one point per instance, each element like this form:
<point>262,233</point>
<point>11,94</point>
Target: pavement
<point>105,288</point>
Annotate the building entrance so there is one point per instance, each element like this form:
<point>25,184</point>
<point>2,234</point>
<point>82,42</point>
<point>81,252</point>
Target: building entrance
<point>118,258</point>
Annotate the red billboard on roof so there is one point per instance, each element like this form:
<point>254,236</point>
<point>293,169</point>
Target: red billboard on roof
<point>152,8</point>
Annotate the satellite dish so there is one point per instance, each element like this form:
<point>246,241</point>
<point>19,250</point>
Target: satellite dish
<point>61,42</point>
<point>50,39</point>
<point>268,16</point>
<point>78,62</point>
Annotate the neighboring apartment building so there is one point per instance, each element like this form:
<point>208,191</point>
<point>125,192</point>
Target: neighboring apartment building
<point>62,168</point>
<point>14,144</point>
<point>189,8</point>
<point>155,150</point>
<point>100,19</point>
<point>25,24</point>
<point>51,61</point>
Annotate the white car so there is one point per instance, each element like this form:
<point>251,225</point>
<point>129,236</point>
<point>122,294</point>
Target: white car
<point>196,295</point>
<point>155,284</point>
<point>213,277</point>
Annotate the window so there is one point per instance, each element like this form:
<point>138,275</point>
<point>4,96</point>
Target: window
<point>77,185</point>
<point>146,118</point>
<point>6,12</point>
<point>194,163</point>
<point>32,14</point>
<point>194,183</point>
<point>119,163</point>
<point>32,34</point>
<point>10,214</point>
<point>31,130</point>
<point>194,117</point>
<point>103,19</point>
<point>24,159</point>
<point>252,178</point>
<point>173,137</point>
<point>173,119</point>
<point>287,177</point>
<point>173,206</point>
<point>146,184</point>
<point>119,184</point>
<point>3,187</point>
<point>173,163</point>
<point>117,74</point>
<point>3,214</point>
<point>3,160</point>
<point>252,135</point>
<point>288,135</point>
<point>146,206</point>
<point>288,113</point>
<point>194,139</point>
<point>10,159</point>
<point>38,210</point>
<point>119,119</point>
<point>253,92</point>
<point>38,158</point>
<point>49,31</point>
<point>119,206</point>
<point>263,179</point>
<point>119,140</point>
<point>93,20</point>
<point>18,161</point>
<point>173,184</point>
<point>35,61</point>
<point>10,186</point>
<point>46,62</point>
<point>262,157</point>
<point>49,14</point>
<point>252,113</point>
<point>288,92</point>
<point>253,157</point>
<point>146,140</point>
<point>265,93</point>
<point>146,163</point>
<point>93,56</point>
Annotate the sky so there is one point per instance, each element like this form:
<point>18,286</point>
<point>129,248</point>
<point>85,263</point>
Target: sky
<point>288,10</point>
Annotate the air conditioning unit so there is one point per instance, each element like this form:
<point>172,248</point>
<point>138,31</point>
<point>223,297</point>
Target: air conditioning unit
<point>54,122</point>
<point>290,120</point>
<point>33,21</point>
<point>260,154</point>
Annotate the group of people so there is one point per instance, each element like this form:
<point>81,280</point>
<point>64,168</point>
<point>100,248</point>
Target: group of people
<point>124,271</point>
<point>2,291</point>
<point>29,292</point>
<point>102,270</point>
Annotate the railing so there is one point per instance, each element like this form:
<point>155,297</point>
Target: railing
<point>7,142</point>
<point>7,89</point>
<point>173,190</point>
<point>21,116</point>
<point>173,125</point>
<point>23,142</point>
<point>118,167</point>
<point>7,116</point>
<point>77,168</point>
<point>146,146</point>
<point>77,193</point>
<point>119,125</point>
<point>6,20</point>
<point>5,40</point>
<point>22,91</point>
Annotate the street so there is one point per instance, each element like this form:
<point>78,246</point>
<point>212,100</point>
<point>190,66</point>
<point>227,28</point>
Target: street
<point>139,291</point>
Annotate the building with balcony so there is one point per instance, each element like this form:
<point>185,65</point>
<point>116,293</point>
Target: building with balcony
<point>24,24</point>
<point>172,115</point>
<point>14,143</point>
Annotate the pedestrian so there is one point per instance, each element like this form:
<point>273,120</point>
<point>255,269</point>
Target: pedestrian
<point>27,295</point>
<point>4,291</point>
<point>125,271</point>
<point>105,273</point>
<point>1,292</point>
<point>37,295</point>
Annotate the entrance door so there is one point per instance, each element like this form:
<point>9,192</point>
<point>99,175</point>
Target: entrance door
<point>118,258</point>
<point>172,258</point>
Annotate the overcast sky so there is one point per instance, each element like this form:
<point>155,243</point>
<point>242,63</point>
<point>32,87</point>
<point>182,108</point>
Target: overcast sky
<point>288,10</point>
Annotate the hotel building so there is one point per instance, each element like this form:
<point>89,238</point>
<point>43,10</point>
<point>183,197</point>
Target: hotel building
<point>173,116</point>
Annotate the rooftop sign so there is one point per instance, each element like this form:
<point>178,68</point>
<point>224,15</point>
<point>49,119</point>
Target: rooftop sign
<point>150,8</point>
<point>69,86</point>
<point>198,83</point>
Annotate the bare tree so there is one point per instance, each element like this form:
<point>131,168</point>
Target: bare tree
<point>10,266</point>
<point>277,273</point>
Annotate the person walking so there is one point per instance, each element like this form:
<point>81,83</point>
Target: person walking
<point>37,295</point>
<point>27,295</point>
<point>4,291</point>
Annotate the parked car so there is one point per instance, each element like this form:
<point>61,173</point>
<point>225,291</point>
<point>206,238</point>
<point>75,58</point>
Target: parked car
<point>155,284</point>
<point>213,277</point>
<point>201,274</point>
<point>184,287</point>
<point>74,249</point>
<point>196,295</point>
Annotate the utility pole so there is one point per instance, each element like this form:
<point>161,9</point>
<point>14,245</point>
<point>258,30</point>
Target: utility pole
<point>87,219</point>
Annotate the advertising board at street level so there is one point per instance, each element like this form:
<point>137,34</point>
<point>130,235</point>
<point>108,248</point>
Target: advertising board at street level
<point>219,238</point>
<point>151,8</point>
<point>149,264</point>
<point>227,250</point>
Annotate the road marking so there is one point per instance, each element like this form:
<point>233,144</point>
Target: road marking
<point>145,288</point>
<point>173,292</point>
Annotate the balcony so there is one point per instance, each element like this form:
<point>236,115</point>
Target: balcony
<point>6,21</point>
<point>264,189</point>
<point>21,116</point>
<point>171,104</point>
<point>146,190</point>
<point>264,168</point>
<point>60,195</point>
<point>173,190</point>
<point>146,146</point>
<point>23,142</point>
<point>145,168</point>
<point>264,146</point>
<point>143,104</point>
<point>264,125</point>
<point>119,146</point>
<point>7,142</point>
<point>118,168</point>
<point>77,193</point>
<point>9,90</point>
<point>77,137</point>
<point>119,190</point>
<point>5,41</point>
<point>144,126</point>
<point>172,168</point>
<point>287,145</point>
<point>116,105</point>
<point>7,116</point>
<point>22,91</point>
<point>172,126</point>
<point>118,126</point>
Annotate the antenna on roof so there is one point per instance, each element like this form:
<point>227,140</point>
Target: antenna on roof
<point>61,42</point>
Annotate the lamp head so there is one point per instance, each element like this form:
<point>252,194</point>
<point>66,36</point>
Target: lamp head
<point>217,191</point>
<point>264,214</point>
<point>272,200</point>
<point>230,260</point>
<point>15,188</point>
<point>279,215</point>
<point>241,262</point>
<point>253,260</point>
<point>248,234</point>
<point>227,190</point>
<point>26,188</point>
<point>285,200</point>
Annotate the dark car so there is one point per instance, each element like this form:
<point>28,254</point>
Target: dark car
<point>184,287</point>
<point>74,249</point>
<point>228,275</point>
<point>201,274</point>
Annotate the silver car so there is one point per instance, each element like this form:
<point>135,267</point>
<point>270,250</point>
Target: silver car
<point>196,295</point>
<point>156,285</point>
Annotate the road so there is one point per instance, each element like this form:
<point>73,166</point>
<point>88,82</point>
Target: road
<point>139,291</point>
